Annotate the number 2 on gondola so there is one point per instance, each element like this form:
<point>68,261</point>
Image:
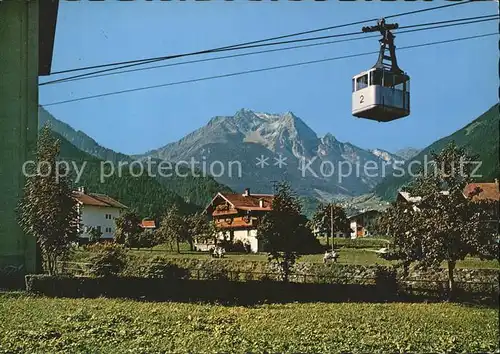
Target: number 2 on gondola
<point>361,99</point>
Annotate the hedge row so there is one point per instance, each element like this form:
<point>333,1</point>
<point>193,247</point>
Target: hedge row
<point>248,292</point>
<point>313,272</point>
<point>203,290</point>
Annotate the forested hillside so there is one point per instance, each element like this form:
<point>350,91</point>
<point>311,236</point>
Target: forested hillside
<point>145,194</point>
<point>195,190</point>
<point>480,137</point>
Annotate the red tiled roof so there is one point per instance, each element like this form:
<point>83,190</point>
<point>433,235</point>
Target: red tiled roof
<point>246,202</point>
<point>250,202</point>
<point>489,191</point>
<point>98,200</point>
<point>148,224</point>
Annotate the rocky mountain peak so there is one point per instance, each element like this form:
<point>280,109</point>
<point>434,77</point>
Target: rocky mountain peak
<point>328,139</point>
<point>244,114</point>
<point>386,156</point>
<point>247,135</point>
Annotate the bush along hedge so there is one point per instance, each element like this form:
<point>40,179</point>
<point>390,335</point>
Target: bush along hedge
<point>471,280</point>
<point>386,281</point>
<point>160,276</point>
<point>323,272</point>
<point>159,267</point>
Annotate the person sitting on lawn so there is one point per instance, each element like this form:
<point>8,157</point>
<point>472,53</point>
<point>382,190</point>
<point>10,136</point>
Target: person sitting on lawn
<point>330,255</point>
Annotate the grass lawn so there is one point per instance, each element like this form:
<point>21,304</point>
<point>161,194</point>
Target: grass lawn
<point>43,325</point>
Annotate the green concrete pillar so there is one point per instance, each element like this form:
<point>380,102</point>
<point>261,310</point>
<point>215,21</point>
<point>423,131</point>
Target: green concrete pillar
<point>18,123</point>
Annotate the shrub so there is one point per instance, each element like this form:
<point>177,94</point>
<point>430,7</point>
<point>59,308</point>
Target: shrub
<point>250,276</point>
<point>236,246</point>
<point>332,273</point>
<point>160,267</point>
<point>214,271</point>
<point>107,259</point>
<point>240,247</point>
<point>146,240</point>
<point>94,235</point>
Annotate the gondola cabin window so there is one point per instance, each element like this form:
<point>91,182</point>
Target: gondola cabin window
<point>376,77</point>
<point>362,82</point>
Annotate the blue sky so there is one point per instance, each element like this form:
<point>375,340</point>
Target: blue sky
<point>451,84</point>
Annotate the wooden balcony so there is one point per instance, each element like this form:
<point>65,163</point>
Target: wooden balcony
<point>238,222</point>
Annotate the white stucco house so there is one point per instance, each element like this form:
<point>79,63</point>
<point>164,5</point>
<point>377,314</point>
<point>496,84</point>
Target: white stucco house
<point>99,211</point>
<point>236,216</point>
<point>360,223</point>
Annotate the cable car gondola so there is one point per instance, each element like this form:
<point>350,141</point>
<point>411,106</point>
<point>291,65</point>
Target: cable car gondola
<point>382,93</point>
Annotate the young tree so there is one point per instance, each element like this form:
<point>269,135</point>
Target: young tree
<point>48,209</point>
<point>201,228</point>
<point>446,226</point>
<point>322,220</point>
<point>174,228</point>
<point>283,229</point>
<point>128,228</point>
<point>94,234</point>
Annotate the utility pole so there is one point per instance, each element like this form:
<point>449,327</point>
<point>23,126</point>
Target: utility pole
<point>331,225</point>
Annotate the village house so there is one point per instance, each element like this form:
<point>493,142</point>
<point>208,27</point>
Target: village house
<point>99,211</point>
<point>236,216</point>
<point>404,197</point>
<point>414,202</point>
<point>340,234</point>
<point>360,223</point>
<point>148,225</point>
<point>487,191</point>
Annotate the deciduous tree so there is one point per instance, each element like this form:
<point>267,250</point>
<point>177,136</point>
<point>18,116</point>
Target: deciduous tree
<point>283,229</point>
<point>174,228</point>
<point>201,228</point>
<point>322,219</point>
<point>128,228</point>
<point>48,209</point>
<point>446,226</point>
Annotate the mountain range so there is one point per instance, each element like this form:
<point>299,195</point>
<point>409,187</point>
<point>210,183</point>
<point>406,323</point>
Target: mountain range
<point>315,166</point>
<point>252,149</point>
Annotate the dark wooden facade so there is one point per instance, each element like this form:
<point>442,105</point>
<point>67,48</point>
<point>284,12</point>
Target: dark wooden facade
<point>238,212</point>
